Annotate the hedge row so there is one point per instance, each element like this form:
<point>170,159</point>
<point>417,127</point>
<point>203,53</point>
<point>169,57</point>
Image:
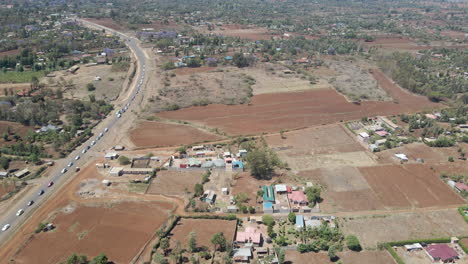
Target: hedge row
<point>230,217</point>
<point>394,254</point>
<point>166,232</point>
<point>427,241</point>
<point>461,210</point>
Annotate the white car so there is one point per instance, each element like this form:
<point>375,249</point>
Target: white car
<point>5,227</point>
<point>94,142</point>
<point>64,170</point>
<point>119,115</point>
<point>101,134</point>
<point>106,129</point>
<point>83,151</point>
<point>20,212</point>
<point>77,157</point>
<point>70,164</point>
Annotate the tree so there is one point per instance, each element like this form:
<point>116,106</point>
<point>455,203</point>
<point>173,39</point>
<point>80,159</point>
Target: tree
<point>219,241</point>
<point>192,242</point>
<point>193,62</point>
<point>292,217</point>
<point>281,255</point>
<point>4,163</point>
<point>164,245</point>
<point>100,259</point>
<point>332,253</point>
<point>75,259</point>
<point>241,198</point>
<point>262,161</point>
<point>268,220</point>
<point>240,60</point>
<point>313,194</point>
<point>169,65</point>
<point>159,259</point>
<point>124,160</point>
<point>176,253</point>
<point>352,243</point>
<point>90,87</point>
<point>198,189</point>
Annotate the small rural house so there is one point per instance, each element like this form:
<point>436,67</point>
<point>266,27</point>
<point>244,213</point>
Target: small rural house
<point>115,171</point>
<point>298,197</point>
<point>3,174</point>
<point>242,255</point>
<point>413,247</point>
<point>281,188</point>
<point>460,186</point>
<point>209,196</point>
<point>441,252</point>
<point>250,235</point>
<point>111,156</point>
<point>267,207</point>
<point>268,194</point>
<point>299,221</point>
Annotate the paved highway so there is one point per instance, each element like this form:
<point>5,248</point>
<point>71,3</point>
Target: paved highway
<point>19,214</point>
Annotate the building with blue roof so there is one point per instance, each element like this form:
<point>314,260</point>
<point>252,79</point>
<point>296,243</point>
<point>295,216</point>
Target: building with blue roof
<point>267,207</point>
<point>268,194</point>
<point>299,221</point>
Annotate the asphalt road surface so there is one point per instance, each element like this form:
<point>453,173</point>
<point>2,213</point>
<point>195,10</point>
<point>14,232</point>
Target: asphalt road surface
<point>12,220</point>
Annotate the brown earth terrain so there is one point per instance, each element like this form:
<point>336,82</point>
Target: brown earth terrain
<point>158,134</point>
<point>15,128</point>
<point>95,230</point>
<point>245,183</point>
<point>273,112</point>
<point>90,225</point>
<point>243,31</point>
<point>9,53</point>
<point>175,182</point>
<point>412,185</point>
<point>363,257</point>
<point>204,229</point>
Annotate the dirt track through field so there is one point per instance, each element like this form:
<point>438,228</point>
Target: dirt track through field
<point>274,112</point>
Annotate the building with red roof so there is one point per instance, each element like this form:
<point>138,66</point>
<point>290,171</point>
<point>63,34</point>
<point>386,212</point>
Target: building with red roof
<point>250,235</point>
<point>298,197</point>
<point>441,252</point>
<point>460,186</point>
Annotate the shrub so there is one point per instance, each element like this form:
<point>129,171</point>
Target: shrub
<point>352,243</point>
<point>90,87</point>
<point>124,160</point>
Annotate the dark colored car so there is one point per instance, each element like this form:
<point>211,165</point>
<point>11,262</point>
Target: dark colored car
<point>50,184</point>
<point>41,192</point>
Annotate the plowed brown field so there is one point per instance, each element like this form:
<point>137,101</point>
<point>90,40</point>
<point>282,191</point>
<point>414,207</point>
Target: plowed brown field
<point>412,185</point>
<point>118,231</point>
<point>273,112</point>
<point>156,134</point>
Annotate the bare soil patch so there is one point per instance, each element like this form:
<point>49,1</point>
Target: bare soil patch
<point>6,187</point>
<point>175,182</point>
<point>246,183</point>
<point>404,226</point>
<point>363,257</point>
<point>94,230</point>
<point>14,87</point>
<point>158,134</point>
<point>204,229</point>
<point>15,128</point>
<point>313,141</point>
<point>412,185</point>
<point>10,53</point>
<point>418,150</point>
<point>202,88</point>
<point>346,190</point>
<point>274,112</point>
<point>108,88</point>
<point>243,31</point>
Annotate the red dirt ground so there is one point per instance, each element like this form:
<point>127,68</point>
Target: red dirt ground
<point>9,53</point>
<point>273,112</point>
<point>204,229</point>
<point>16,128</point>
<point>95,230</point>
<point>363,257</point>
<point>157,134</point>
<point>246,183</point>
<point>412,185</point>
<point>421,150</point>
<point>5,188</point>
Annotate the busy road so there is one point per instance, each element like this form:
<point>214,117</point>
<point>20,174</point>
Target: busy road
<point>17,215</point>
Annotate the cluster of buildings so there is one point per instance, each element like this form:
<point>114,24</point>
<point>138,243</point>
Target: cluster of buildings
<point>382,127</point>
<point>284,199</point>
<point>208,157</point>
